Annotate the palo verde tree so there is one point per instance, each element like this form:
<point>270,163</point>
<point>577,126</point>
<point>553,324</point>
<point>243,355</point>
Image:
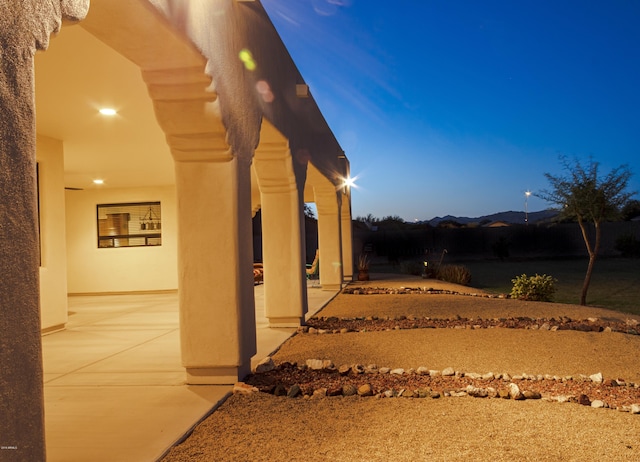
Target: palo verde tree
<point>589,198</point>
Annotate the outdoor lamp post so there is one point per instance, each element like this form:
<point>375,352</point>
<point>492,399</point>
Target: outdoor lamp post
<point>526,207</point>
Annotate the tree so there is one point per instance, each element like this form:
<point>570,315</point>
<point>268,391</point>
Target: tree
<point>631,210</point>
<point>393,219</point>
<point>370,221</point>
<point>585,196</point>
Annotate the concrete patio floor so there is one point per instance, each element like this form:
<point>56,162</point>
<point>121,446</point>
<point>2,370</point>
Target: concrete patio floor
<point>113,384</point>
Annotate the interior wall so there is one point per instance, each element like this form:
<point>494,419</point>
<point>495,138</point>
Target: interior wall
<point>126,269</point>
<point>53,265</point>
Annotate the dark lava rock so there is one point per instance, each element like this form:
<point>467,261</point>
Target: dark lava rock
<point>294,391</point>
<point>584,400</point>
<point>349,390</point>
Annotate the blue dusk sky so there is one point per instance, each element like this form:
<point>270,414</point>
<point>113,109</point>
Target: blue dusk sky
<point>460,107</point>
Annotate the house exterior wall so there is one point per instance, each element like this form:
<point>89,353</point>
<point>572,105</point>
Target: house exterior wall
<point>53,255</point>
<point>126,269</point>
<point>24,28</point>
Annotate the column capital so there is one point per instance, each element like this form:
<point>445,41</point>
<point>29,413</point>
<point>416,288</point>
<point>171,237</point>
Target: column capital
<point>187,110</point>
<point>274,168</point>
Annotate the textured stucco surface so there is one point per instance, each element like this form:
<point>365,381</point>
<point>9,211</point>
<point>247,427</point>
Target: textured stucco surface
<point>25,26</point>
<point>221,32</point>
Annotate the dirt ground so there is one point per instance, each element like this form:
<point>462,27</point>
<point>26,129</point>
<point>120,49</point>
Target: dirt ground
<point>262,427</point>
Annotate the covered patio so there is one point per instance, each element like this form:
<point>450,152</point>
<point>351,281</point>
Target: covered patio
<point>114,385</point>
<point>195,108</point>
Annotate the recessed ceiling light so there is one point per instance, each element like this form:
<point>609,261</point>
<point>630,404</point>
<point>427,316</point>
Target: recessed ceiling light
<point>108,111</point>
<point>98,181</point>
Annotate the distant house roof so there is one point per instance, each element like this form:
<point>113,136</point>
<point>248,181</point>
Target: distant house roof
<point>497,224</point>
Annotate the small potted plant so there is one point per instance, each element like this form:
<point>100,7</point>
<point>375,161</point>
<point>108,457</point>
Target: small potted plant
<point>363,267</point>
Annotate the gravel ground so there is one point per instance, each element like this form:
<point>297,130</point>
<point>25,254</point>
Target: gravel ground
<point>262,427</point>
<point>488,350</point>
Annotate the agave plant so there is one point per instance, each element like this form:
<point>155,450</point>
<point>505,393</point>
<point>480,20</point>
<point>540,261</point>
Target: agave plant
<point>363,262</point>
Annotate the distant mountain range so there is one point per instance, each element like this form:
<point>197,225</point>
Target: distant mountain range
<point>510,217</point>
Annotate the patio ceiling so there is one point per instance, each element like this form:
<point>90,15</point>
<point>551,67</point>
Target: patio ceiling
<point>79,74</point>
<point>76,77</point>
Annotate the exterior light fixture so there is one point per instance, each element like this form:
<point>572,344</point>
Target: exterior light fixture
<point>107,111</point>
<point>98,181</point>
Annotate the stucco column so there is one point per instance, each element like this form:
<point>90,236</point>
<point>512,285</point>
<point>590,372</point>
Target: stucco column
<point>21,392</point>
<point>285,289</point>
<point>24,27</point>
<point>347,238</point>
<point>217,307</point>
<point>329,240</point>
<point>215,248</point>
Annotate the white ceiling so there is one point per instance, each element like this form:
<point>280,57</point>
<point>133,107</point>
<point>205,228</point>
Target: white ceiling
<point>75,77</point>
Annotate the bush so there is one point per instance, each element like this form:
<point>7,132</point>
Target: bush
<point>535,288</point>
<point>457,274</point>
<point>628,246</point>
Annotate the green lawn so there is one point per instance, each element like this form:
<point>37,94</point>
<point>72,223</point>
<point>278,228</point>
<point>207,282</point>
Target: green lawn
<point>615,283</point>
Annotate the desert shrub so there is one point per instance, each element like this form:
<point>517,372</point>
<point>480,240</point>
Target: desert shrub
<point>628,246</point>
<point>411,267</point>
<point>457,274</point>
<point>536,288</point>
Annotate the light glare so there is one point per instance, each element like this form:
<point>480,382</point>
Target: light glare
<point>108,111</point>
<point>264,90</point>
<point>247,58</point>
<point>350,182</point>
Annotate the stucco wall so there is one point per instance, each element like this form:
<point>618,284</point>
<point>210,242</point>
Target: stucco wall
<point>53,263</point>
<point>210,25</point>
<point>127,269</point>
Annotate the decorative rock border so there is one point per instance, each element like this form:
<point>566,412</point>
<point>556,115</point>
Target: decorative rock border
<point>320,378</point>
<point>413,291</point>
<point>335,325</point>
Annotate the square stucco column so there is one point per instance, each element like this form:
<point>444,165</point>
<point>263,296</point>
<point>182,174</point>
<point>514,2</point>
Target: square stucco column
<point>347,238</point>
<point>285,289</point>
<point>329,241</point>
<point>215,254</point>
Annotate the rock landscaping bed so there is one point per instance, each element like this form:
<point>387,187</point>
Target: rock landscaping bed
<point>366,392</point>
<point>321,378</point>
<point>337,325</point>
<point>357,290</point>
